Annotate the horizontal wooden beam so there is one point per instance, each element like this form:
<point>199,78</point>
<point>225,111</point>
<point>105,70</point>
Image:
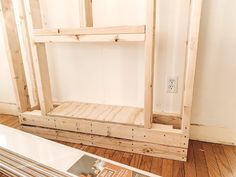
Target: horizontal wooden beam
<point>168,137</point>
<point>90,38</point>
<point>145,148</point>
<point>91,31</point>
<point>168,119</point>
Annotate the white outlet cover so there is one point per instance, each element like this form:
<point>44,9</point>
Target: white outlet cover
<point>172,84</point>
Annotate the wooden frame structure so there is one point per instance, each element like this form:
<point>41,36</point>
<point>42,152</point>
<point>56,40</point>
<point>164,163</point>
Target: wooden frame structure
<point>94,124</point>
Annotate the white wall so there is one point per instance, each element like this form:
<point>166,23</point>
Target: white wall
<point>113,73</point>
<point>214,103</point>
<point>6,88</point>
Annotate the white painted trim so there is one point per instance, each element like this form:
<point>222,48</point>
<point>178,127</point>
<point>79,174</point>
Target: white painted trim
<point>213,134</point>
<point>8,108</point>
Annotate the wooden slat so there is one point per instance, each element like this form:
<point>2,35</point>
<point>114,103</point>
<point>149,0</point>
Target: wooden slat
<point>149,63</point>
<point>91,31</point>
<point>14,56</point>
<point>33,18</point>
<point>90,38</point>
<point>27,57</point>
<point>99,112</point>
<point>86,13</point>
<point>151,149</point>
<point>191,58</point>
<point>166,137</point>
<point>174,120</point>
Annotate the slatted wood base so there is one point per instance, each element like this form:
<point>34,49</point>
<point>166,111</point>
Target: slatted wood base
<point>99,112</point>
<point>151,149</point>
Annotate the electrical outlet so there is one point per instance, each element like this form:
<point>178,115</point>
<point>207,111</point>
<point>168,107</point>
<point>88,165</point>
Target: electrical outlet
<point>172,85</point>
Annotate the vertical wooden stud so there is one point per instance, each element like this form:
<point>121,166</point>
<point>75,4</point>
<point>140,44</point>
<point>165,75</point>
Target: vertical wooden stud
<point>14,55</point>
<point>26,51</point>
<point>33,19</point>
<point>86,13</point>
<point>194,26</point>
<point>149,62</point>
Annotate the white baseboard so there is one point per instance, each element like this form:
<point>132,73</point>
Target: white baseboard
<point>8,108</point>
<point>213,134</point>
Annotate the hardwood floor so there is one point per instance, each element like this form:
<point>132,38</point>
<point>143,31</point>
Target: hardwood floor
<point>2,175</point>
<point>204,159</point>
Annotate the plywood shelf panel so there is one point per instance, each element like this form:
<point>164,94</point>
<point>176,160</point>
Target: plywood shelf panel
<point>100,112</point>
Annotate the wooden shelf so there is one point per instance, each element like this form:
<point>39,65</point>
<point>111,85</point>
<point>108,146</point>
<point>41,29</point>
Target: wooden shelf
<point>99,112</point>
<point>91,34</point>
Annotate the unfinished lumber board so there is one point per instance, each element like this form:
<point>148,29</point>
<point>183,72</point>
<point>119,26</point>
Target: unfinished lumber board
<point>91,31</point>
<point>169,137</point>
<point>14,55</point>
<point>149,62</point>
<point>99,112</point>
<point>24,39</point>
<point>191,59</point>
<point>90,38</point>
<point>168,119</point>
<point>33,19</point>
<point>86,13</point>
<point>110,143</point>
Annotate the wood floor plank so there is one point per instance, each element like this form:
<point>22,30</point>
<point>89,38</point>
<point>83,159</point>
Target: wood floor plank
<point>156,165</point>
<point>189,166</point>
<point>211,161</point>
<point>178,169</point>
<point>222,161</point>
<point>2,175</point>
<point>83,147</point>
<point>167,168</point>
<point>146,163</point>
<point>127,157</point>
<point>117,156</point>
<point>91,149</point>
<point>231,156</point>
<point>100,152</point>
<point>136,160</point>
<point>200,161</point>
<point>77,146</point>
<point>109,153</point>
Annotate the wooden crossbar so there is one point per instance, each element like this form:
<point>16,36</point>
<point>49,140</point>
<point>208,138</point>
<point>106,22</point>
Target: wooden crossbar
<point>91,31</point>
<point>91,34</point>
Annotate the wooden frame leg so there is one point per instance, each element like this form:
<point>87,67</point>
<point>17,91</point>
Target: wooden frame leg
<point>14,55</point>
